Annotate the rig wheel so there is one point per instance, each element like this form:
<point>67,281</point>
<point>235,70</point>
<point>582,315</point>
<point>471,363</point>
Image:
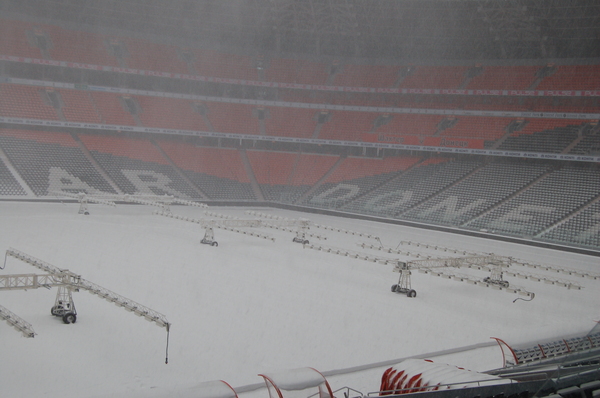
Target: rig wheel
<point>54,310</point>
<point>87,213</point>
<point>411,293</point>
<point>394,287</point>
<point>69,317</point>
<point>215,244</point>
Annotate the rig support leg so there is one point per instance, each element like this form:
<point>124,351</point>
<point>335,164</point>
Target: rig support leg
<point>209,237</point>
<point>64,306</point>
<point>83,207</point>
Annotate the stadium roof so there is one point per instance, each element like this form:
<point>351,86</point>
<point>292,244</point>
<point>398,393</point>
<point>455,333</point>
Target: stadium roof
<point>397,29</point>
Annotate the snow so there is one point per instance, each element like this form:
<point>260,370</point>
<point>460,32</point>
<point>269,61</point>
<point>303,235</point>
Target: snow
<point>296,379</point>
<point>253,306</point>
<point>215,389</point>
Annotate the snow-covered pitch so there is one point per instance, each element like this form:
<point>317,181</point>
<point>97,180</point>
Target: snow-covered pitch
<point>251,305</point>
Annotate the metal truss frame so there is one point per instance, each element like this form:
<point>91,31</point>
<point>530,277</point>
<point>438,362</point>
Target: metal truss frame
<point>67,282</point>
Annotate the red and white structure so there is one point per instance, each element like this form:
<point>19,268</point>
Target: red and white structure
<point>512,356</point>
<point>297,383</point>
<point>416,375</point>
<point>215,389</point>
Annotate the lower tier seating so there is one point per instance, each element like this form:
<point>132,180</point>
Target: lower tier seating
<point>555,140</point>
<point>218,173</point>
<point>582,229</point>
<point>354,177</point>
<point>9,186</point>
<point>546,201</point>
<point>137,166</point>
<point>409,189</point>
<point>285,177</point>
<point>469,197</point>
<point>50,162</point>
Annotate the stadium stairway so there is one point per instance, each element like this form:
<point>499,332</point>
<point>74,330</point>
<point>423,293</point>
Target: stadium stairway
<point>577,140</point>
<point>321,180</point>
<point>251,176</point>
<point>179,172</point>
<point>426,198</point>
<point>17,177</point>
<point>569,216</point>
<point>96,165</point>
<point>383,183</point>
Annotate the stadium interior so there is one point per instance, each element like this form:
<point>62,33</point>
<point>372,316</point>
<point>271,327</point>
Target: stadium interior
<point>476,117</point>
<point>281,105</point>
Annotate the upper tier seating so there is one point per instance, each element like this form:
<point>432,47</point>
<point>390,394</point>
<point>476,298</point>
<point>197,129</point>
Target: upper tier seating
<point>296,71</point>
<point>111,109</point>
<point>233,118</point>
<point>25,102</point>
<point>347,125</point>
<point>504,78</point>
<point>442,77</point>
<point>79,46</point>
<point>78,107</point>
<point>208,62</point>
<point>572,77</point>
<point>142,54</point>
<point>411,124</point>
<point>170,113</point>
<point>305,96</point>
<point>492,105</point>
<point>14,41</point>
<point>487,128</point>
<point>25,39</point>
<point>290,122</point>
<point>383,76</point>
